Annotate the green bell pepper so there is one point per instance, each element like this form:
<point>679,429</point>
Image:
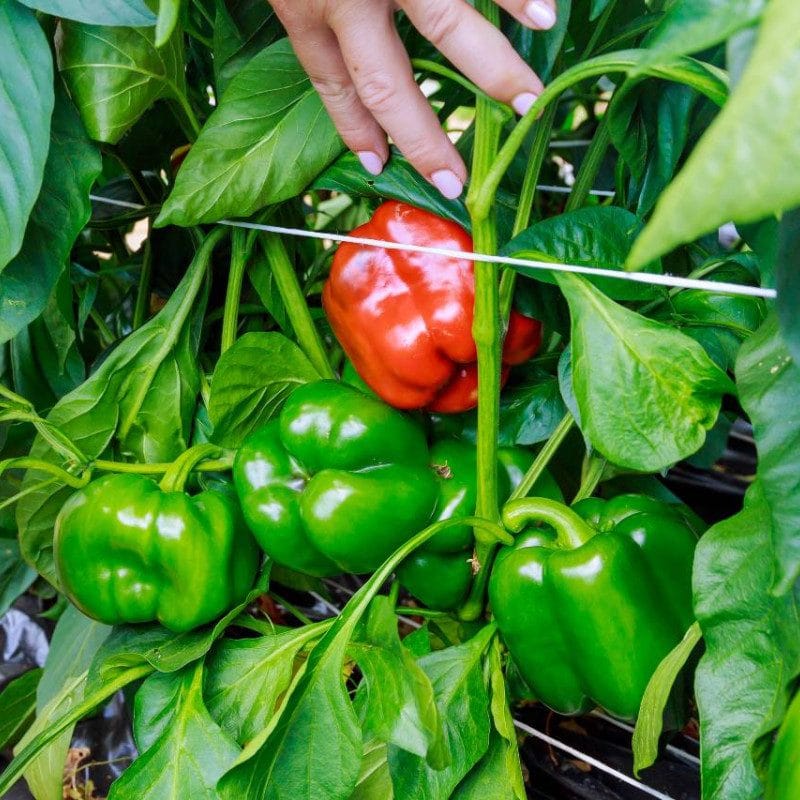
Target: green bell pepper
<point>336,483</point>
<point>439,573</point>
<point>590,605</point>
<point>126,551</point>
<point>783,777</point>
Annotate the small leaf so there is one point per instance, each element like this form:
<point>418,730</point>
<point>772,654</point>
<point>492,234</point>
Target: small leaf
<point>269,117</point>
<point>168,14</point>
<point>647,394</point>
<point>26,105</point>
<point>105,12</point>
<point>18,706</point>
<point>15,575</point>
<point>719,182</point>
<point>251,381</point>
<point>650,721</point>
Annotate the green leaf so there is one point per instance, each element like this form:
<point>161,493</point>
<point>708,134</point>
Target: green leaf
<point>597,236</point>
<point>720,183</point>
<point>168,15</point>
<point>541,48</point>
<point>769,387</point>
<point>15,575</point>
<point>115,74</point>
<point>398,181</point>
<point>105,12</point>
<point>144,393</point>
<point>18,706</point>
<point>375,780</point>
<point>690,26</point>
<point>752,649</point>
<point>245,678</point>
<point>189,752</point>
<point>26,105</point>
<point>463,702</point>
<point>269,117</point>
<point>75,641</point>
<point>531,410</point>
<point>60,212</point>
<point>647,394</point>
<point>395,698</point>
<point>251,382</point>
<point>650,722</point>
<point>787,279</point>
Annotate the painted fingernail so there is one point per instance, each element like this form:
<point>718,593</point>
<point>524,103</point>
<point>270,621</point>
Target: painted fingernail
<point>447,183</point>
<point>523,101</point>
<point>371,162</point>
<point>540,14</point>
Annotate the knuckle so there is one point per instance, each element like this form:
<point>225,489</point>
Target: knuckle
<point>441,21</point>
<point>378,92</point>
<point>338,91</point>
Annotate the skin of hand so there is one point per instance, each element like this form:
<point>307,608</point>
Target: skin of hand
<point>356,61</point>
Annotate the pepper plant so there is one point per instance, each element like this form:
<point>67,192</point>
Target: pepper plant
<point>157,323</point>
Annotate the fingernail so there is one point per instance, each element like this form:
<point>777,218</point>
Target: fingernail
<point>447,183</point>
<point>371,162</point>
<point>523,101</point>
<point>540,14</point>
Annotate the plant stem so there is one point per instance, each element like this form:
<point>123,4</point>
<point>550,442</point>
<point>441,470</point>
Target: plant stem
<point>424,65</point>
<point>222,464</point>
<point>598,27</point>
<point>592,474</point>
<point>293,610</point>
<point>592,162</point>
<point>295,303</point>
<point>143,289</point>
<point>186,118</point>
<point>106,334</point>
<point>543,457</point>
<point>241,247</point>
<point>178,472</point>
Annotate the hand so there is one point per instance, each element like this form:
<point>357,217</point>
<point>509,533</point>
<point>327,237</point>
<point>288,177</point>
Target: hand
<point>357,63</point>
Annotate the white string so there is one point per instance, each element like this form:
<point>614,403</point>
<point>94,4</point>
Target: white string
<point>621,776</point>
<point>675,281</point>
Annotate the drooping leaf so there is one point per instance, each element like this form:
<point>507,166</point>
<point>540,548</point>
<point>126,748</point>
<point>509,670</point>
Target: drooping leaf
<point>26,105</point>
<point>18,706</point>
<point>769,387</point>
<point>182,750</point>
<point>597,236</point>
<point>721,182</point>
<point>752,649</point>
<point>647,394</point>
<point>269,118</point>
<point>97,12</point>
<point>115,74</point>
<point>143,394</point>
<point>60,212</point>
<point>649,723</point>
<point>463,702</point>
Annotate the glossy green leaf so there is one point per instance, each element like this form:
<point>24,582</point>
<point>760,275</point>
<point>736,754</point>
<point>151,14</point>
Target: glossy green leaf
<point>143,394</point>
<point>60,212</point>
<point>752,649</point>
<point>530,410</point>
<point>18,706</point>
<point>721,182</point>
<point>647,393</point>
<point>463,702</point>
<point>598,236</point>
<point>115,74</point>
<point>398,181</point>
<point>168,15</point>
<point>251,381</point>
<point>15,575</point>
<point>190,751</point>
<point>690,26</point>
<point>97,12</point>
<point>270,117</point>
<point>26,105</point>
<point>246,677</point>
<point>395,698</point>
<point>769,387</point>
<point>650,722</point>
<point>375,780</point>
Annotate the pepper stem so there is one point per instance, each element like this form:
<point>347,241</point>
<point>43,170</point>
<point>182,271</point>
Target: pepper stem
<point>178,472</point>
<point>572,531</point>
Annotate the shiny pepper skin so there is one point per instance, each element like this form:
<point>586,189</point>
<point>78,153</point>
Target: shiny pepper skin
<point>405,319</point>
<point>589,612</point>
<point>126,551</point>
<point>336,483</point>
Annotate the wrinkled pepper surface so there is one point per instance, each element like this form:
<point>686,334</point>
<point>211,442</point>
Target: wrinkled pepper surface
<point>439,573</point>
<point>783,778</point>
<point>590,604</point>
<point>405,319</point>
<point>126,551</point>
<point>336,483</point>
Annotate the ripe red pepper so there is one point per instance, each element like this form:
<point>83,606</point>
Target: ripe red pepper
<point>405,319</point>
